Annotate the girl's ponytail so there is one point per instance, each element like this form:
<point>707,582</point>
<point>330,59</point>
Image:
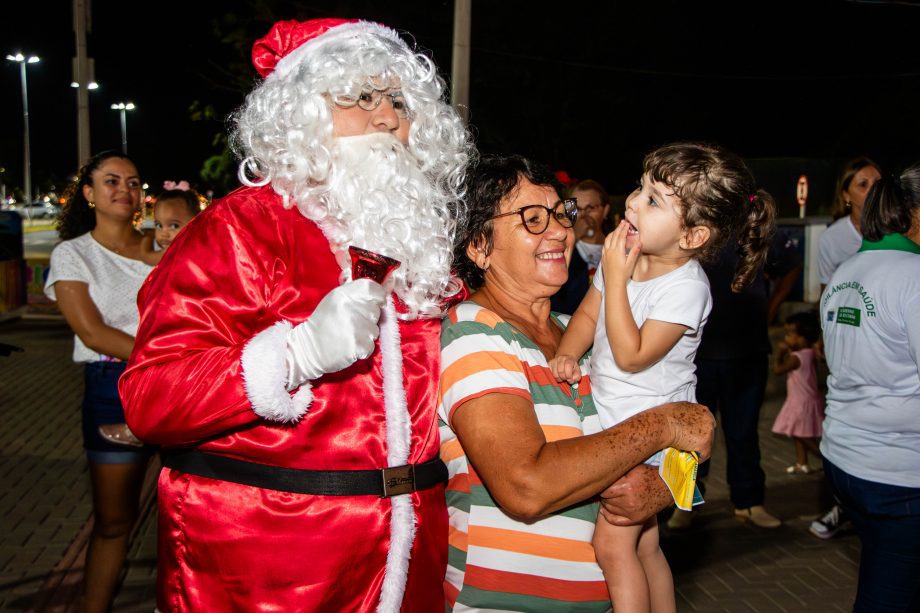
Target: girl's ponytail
<point>754,238</point>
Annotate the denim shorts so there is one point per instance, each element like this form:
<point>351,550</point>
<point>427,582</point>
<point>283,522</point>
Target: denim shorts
<point>102,405</point>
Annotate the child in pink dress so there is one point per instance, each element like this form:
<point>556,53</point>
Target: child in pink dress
<point>802,413</point>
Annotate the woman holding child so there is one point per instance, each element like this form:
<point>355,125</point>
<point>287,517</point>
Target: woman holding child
<point>96,272</point>
<point>526,453</point>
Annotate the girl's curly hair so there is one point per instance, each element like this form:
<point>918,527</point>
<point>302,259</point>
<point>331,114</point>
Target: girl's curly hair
<point>717,190</point>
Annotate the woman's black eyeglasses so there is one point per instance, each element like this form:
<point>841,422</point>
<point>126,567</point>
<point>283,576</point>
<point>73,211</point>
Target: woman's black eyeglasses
<point>535,217</point>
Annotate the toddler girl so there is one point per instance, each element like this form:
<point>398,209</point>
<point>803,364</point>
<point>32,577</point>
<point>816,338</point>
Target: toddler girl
<point>645,314</point>
<point>803,411</point>
<point>174,207</point>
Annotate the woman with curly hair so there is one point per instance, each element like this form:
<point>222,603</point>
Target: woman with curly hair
<point>95,275</point>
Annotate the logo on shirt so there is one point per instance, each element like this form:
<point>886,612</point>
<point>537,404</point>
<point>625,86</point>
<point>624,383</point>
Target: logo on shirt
<point>855,286</point>
<point>848,316</point>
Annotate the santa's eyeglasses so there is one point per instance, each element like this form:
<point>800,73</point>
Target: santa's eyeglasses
<point>369,99</point>
<point>535,217</point>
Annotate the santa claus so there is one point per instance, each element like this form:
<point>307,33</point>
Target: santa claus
<point>295,404</point>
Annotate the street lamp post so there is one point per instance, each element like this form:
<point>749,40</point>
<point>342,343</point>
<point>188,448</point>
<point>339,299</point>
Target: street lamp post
<point>121,107</point>
<point>27,159</point>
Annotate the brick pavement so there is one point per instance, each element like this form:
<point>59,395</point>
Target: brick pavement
<point>44,498</point>
<point>725,565</point>
<point>719,564</point>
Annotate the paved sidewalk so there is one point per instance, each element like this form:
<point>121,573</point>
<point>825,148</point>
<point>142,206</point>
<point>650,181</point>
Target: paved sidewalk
<point>44,482</point>
<point>719,564</point>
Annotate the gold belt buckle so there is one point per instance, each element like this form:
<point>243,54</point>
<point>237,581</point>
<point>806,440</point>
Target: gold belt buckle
<point>398,480</point>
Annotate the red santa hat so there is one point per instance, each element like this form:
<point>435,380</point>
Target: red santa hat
<point>290,42</point>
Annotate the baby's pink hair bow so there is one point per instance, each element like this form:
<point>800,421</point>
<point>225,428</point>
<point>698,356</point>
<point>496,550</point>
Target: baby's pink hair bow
<point>181,185</point>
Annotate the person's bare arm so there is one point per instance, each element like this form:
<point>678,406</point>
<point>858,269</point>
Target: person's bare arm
<point>819,350</point>
<point>634,349</point>
<point>785,360</point>
<point>148,255</point>
<point>577,338</point>
<point>623,333</point>
<point>655,340</point>
<point>86,321</point>
<point>530,477</point>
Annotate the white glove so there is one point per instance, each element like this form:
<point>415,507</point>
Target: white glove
<point>341,331</point>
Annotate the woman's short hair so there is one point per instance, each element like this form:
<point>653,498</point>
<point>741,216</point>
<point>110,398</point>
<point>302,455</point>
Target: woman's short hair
<point>491,181</point>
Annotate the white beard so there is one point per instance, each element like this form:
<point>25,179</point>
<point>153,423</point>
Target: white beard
<point>378,199</point>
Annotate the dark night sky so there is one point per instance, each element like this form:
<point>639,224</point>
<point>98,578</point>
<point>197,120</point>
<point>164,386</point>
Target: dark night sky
<point>588,87</point>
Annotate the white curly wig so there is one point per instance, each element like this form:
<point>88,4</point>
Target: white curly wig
<point>283,133</point>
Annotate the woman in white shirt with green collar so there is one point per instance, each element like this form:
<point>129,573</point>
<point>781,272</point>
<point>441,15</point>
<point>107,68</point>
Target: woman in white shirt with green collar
<point>870,314</point>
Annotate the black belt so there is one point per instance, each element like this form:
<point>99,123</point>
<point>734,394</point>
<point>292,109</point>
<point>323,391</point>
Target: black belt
<point>384,483</point>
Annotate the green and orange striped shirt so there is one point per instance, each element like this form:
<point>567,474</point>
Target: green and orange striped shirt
<point>496,562</point>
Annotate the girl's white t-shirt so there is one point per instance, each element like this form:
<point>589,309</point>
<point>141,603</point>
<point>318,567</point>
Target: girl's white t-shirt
<point>681,297</point>
<point>113,282</point>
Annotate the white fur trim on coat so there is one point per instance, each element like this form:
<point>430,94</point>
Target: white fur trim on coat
<point>265,376</point>
<point>399,435</point>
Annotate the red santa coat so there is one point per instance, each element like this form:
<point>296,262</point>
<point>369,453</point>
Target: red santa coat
<point>208,367</point>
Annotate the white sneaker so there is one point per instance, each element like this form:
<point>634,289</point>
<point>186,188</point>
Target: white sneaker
<point>830,524</point>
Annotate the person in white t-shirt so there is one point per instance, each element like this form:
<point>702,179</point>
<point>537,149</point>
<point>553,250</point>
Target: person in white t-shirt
<point>645,313</point>
<point>95,275</point>
<point>870,315</point>
<point>842,239</point>
<point>838,243</point>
